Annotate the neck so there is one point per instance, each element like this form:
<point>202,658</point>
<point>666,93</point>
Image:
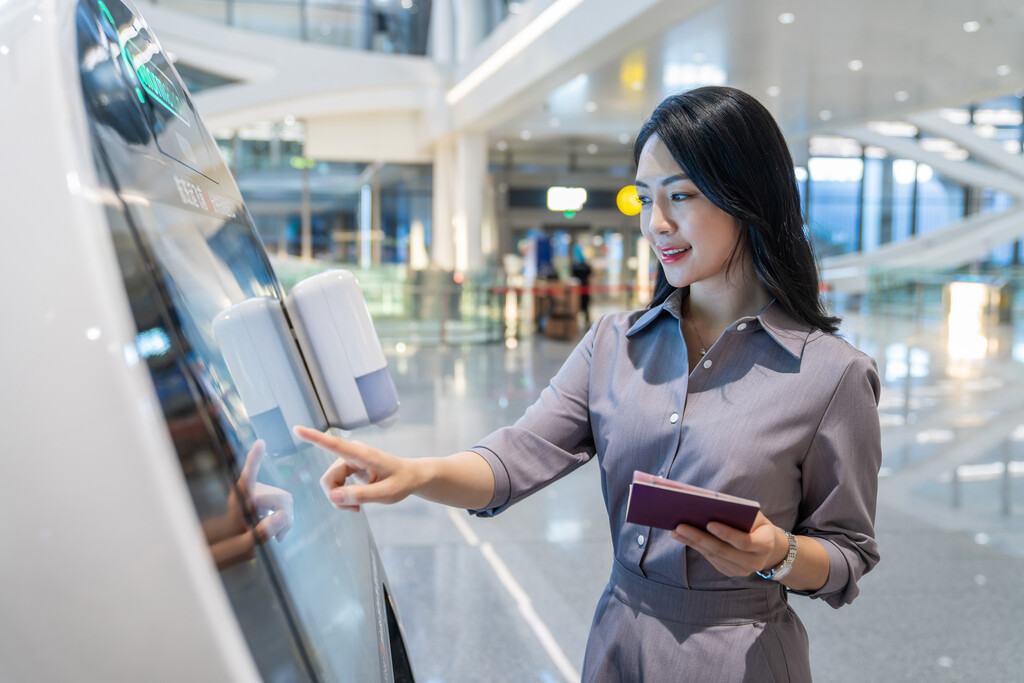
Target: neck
<point>718,304</point>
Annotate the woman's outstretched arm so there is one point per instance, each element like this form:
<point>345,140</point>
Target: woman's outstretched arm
<point>461,480</point>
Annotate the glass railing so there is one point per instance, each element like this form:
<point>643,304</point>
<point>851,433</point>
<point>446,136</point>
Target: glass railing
<point>411,308</point>
<point>918,294</point>
<point>430,307</point>
<point>397,27</point>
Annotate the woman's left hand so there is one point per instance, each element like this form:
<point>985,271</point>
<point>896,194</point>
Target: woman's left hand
<point>734,552</point>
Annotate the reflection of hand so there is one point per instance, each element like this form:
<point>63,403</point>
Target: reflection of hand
<point>230,537</point>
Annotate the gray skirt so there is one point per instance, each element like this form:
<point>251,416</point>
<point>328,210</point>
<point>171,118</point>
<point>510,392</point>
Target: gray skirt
<point>654,632</point>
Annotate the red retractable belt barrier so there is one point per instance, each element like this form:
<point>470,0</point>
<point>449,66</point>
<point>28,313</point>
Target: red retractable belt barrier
<point>561,289</point>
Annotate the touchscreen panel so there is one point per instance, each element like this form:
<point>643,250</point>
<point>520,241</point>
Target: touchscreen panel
<point>309,598</point>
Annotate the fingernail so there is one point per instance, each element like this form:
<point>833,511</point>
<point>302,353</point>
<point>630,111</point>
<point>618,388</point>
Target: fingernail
<point>340,497</point>
<point>278,522</point>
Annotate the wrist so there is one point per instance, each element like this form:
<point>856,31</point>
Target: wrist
<point>778,571</point>
<point>780,548</point>
<point>422,471</point>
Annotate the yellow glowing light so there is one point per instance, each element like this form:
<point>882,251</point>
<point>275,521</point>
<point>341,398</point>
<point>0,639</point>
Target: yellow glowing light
<point>633,72</point>
<point>628,201</point>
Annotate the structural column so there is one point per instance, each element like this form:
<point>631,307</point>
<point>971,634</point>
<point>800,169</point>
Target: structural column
<point>468,214</point>
<point>460,177</point>
<point>470,27</point>
<point>442,240</point>
<point>442,32</point>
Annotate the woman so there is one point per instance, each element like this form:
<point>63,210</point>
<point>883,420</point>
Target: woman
<point>733,380</point>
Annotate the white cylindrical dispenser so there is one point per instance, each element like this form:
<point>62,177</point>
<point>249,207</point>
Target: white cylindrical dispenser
<point>340,345</point>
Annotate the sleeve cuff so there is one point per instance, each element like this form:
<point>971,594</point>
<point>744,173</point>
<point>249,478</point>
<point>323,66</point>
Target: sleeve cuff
<point>502,486</point>
<point>837,590</point>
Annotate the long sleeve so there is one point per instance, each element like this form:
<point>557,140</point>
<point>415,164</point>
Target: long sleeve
<point>840,481</point>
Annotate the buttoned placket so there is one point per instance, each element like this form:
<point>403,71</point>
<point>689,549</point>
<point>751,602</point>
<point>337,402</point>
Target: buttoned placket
<point>675,420</point>
<point>697,378</point>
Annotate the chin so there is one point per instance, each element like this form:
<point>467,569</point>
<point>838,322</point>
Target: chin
<point>678,280</point>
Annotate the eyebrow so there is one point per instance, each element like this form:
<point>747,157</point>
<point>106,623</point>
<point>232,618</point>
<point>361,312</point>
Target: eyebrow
<point>665,181</point>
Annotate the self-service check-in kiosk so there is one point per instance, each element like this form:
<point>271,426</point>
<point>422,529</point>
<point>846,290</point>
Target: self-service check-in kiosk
<point>161,522</point>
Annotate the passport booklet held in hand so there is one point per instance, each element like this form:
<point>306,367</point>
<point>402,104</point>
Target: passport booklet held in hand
<point>663,503</point>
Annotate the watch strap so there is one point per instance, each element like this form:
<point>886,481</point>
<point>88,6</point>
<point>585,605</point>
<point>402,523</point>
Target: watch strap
<point>778,572</point>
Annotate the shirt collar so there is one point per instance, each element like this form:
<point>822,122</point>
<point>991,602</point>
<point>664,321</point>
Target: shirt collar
<point>784,329</point>
<point>673,304</point>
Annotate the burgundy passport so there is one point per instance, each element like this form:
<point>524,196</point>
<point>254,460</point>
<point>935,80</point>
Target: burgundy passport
<point>663,503</point>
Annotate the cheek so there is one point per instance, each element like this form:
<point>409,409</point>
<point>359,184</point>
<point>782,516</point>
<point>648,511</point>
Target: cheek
<point>645,231</point>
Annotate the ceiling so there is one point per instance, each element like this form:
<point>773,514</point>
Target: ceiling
<point>819,66</point>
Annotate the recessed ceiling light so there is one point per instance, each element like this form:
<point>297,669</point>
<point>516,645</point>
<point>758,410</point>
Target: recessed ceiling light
<point>591,148</point>
<point>502,145</point>
<point>625,138</point>
<point>590,106</point>
<point>893,129</point>
<point>902,96</point>
<point>855,65</point>
<point>525,135</point>
<point>825,114</point>
<point>971,26</point>
<point>1003,69</point>
<point>774,90</point>
<point>787,18</point>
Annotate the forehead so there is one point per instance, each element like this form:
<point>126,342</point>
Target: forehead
<point>656,161</point>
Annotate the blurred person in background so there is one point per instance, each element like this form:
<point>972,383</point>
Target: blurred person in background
<point>581,271</point>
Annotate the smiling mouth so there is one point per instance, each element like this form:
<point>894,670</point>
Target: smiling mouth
<point>673,254</point>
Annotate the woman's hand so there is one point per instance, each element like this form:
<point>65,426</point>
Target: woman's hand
<point>734,552</point>
<point>381,477</point>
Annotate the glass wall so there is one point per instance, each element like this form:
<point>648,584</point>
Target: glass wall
<point>860,198</point>
<point>373,219</point>
<point>396,26</point>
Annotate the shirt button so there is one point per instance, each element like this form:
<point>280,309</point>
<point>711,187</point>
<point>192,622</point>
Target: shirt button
<point>640,539</point>
<point>741,327</point>
<point>673,418</point>
<point>707,363</point>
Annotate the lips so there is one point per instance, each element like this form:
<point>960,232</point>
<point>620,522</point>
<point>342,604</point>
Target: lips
<point>672,254</point>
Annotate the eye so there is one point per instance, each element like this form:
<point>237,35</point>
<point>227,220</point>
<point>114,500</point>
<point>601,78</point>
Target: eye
<point>679,197</point>
<point>643,200</point>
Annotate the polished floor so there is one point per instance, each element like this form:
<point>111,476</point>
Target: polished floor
<point>511,598</point>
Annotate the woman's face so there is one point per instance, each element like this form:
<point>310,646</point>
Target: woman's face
<point>692,237</point>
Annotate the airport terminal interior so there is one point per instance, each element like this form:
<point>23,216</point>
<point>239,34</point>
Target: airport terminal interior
<point>466,158</point>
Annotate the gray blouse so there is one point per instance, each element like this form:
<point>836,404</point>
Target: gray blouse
<point>776,411</point>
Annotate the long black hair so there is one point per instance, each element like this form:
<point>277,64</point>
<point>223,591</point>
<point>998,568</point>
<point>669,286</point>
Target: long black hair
<point>731,148</point>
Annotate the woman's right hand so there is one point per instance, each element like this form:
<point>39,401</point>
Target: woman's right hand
<point>380,476</point>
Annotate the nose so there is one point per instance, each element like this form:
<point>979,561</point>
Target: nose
<point>661,222</point>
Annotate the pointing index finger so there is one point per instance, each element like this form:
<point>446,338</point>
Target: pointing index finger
<point>341,448</point>
<point>314,436</point>
<point>251,468</point>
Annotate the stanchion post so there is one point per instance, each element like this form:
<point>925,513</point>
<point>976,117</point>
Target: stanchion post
<point>1007,488</point>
